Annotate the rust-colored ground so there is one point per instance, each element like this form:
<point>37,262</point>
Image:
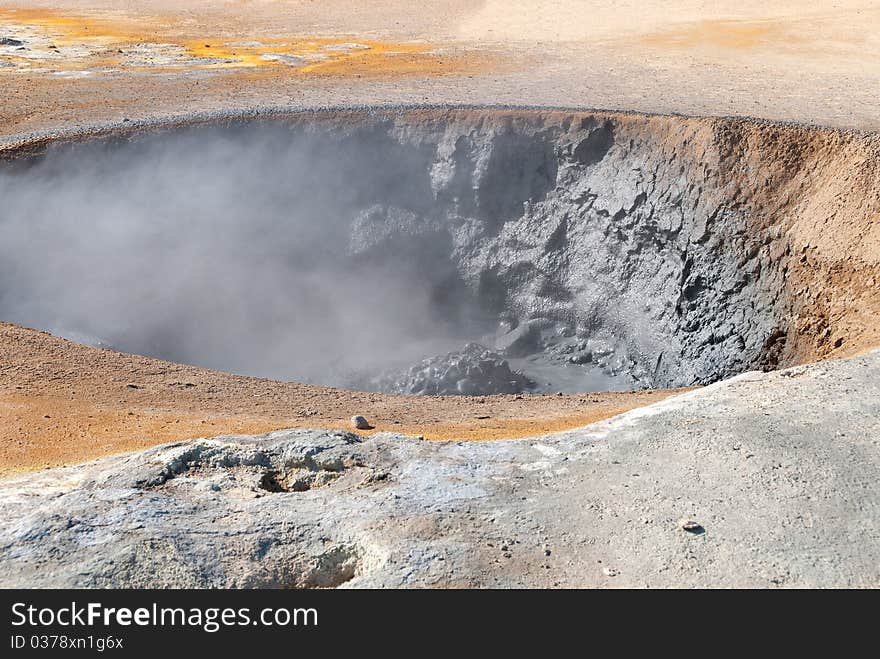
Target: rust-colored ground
<point>62,403</point>
<point>104,46</point>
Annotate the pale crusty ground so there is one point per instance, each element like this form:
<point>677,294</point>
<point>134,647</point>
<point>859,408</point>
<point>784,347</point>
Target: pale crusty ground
<point>62,403</point>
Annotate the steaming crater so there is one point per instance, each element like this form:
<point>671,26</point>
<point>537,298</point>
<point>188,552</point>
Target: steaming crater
<point>575,251</point>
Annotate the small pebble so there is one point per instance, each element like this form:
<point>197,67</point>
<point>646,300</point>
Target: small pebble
<point>690,525</point>
<point>360,422</point>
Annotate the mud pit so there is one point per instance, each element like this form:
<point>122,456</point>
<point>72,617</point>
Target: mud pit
<point>461,252</point>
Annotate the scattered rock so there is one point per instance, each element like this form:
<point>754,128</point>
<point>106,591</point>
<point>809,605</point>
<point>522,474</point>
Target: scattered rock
<point>473,371</point>
<point>690,525</point>
<point>610,572</point>
<point>9,41</point>
<point>360,422</point>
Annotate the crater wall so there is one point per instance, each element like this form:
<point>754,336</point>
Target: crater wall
<point>666,251</point>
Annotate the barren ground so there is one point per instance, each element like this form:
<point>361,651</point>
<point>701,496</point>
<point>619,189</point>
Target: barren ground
<point>62,403</point>
<point>778,469</point>
<point>792,60</point>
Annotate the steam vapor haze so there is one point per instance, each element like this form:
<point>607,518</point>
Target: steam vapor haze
<point>227,248</point>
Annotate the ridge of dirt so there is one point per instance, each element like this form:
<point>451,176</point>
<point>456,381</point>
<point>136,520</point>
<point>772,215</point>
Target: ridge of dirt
<point>63,403</point>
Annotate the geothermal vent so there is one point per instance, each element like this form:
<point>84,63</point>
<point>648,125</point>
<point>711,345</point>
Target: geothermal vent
<point>423,252</point>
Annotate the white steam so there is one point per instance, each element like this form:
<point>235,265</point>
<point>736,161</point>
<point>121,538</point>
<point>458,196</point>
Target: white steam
<point>227,248</point>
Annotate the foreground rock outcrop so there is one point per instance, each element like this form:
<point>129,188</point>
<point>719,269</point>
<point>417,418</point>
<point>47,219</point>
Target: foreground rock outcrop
<point>780,471</point>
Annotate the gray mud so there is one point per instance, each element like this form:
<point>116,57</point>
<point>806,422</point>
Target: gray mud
<point>583,252</point>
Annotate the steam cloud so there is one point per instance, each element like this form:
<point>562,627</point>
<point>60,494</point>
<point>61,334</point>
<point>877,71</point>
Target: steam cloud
<point>228,248</point>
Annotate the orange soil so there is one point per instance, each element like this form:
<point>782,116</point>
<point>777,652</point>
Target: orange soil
<point>106,38</point>
<point>62,403</point>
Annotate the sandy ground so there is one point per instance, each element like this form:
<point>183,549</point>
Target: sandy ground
<point>90,62</point>
<point>62,403</point>
<point>791,60</point>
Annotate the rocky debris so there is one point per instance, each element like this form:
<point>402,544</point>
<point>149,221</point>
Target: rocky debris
<point>473,371</point>
<point>316,508</point>
<point>581,358</point>
<point>609,355</point>
<point>9,41</point>
<point>360,422</point>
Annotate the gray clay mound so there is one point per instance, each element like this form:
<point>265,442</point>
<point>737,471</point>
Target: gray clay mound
<point>591,249</point>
